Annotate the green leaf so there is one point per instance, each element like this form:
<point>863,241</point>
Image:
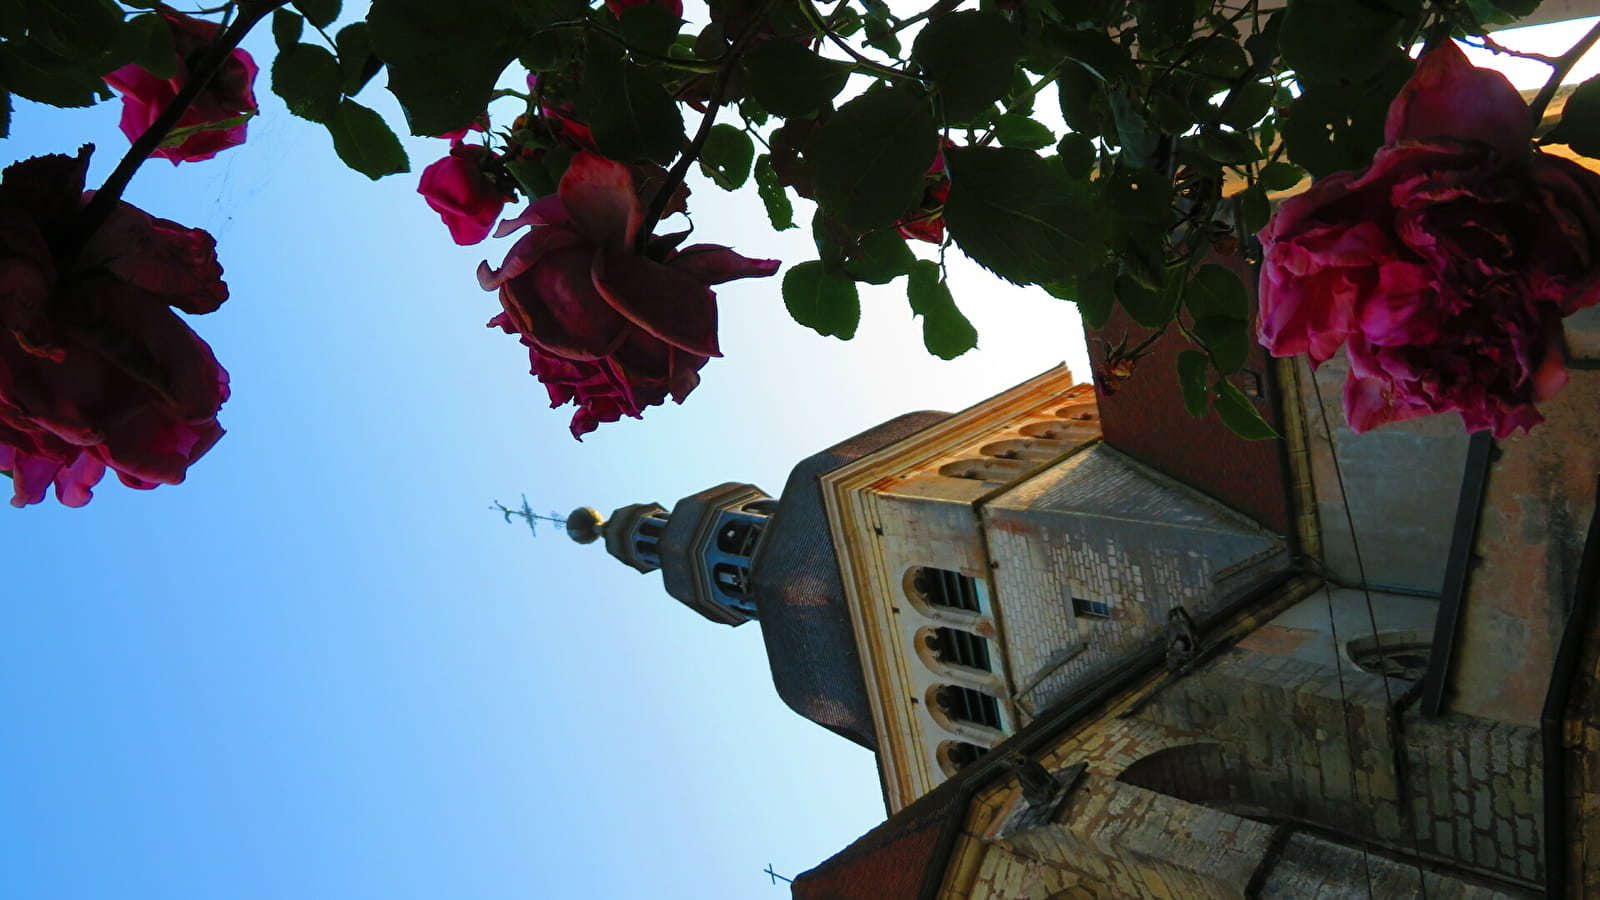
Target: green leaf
<point>1192,365</point>
<point>1217,291</point>
<point>727,156</point>
<point>879,258</point>
<point>1518,8</point>
<point>1226,339</point>
<point>146,41</point>
<point>1254,208</point>
<point>880,36</point>
<point>35,73</point>
<point>1239,414</point>
<point>1165,23</point>
<point>1247,103</point>
<point>1337,41</point>
<point>320,13</point>
<point>533,177</point>
<point>969,56</point>
<point>780,212</point>
<point>1134,133</point>
<point>1329,127</point>
<point>286,28</point>
<point>1083,99</point>
<point>822,300</point>
<point>871,159</point>
<point>1022,132</point>
<point>1096,295</point>
<point>1077,154</point>
<point>650,27</point>
<point>356,60</point>
<point>1150,308</point>
<point>789,80</point>
<point>78,30</point>
<point>630,114</point>
<point>1217,57</point>
<point>5,114</point>
<point>365,143</point>
<point>945,331</point>
<point>308,79</point>
<point>1092,49</point>
<point>1579,127</point>
<point>471,40</point>
<point>1021,217</point>
<point>1279,176</point>
<point>1231,148</point>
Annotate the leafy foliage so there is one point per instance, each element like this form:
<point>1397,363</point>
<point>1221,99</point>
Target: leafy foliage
<point>1180,122</point>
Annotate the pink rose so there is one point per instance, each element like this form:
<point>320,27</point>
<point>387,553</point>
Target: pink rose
<point>96,370</point>
<point>609,329</point>
<point>464,193</point>
<point>926,223</point>
<point>217,118</point>
<point>1446,266</point>
<point>617,6</point>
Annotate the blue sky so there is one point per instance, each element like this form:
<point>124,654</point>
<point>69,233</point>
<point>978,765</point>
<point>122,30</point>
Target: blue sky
<point>323,668</point>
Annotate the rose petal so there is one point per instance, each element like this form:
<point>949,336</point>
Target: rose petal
<point>1448,95</point>
<point>555,304</point>
<point>715,264</point>
<point>667,303</point>
<point>598,195</point>
<point>177,265</point>
<point>543,211</point>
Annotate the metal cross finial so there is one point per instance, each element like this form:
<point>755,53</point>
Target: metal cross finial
<point>527,514</point>
<point>775,875</point>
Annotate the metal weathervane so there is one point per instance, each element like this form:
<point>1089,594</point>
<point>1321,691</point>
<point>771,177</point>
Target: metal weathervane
<point>527,514</point>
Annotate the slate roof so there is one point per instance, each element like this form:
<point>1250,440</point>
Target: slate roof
<point>799,593</point>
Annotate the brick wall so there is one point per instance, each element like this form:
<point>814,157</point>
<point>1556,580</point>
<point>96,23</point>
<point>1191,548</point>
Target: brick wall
<point>1145,418</point>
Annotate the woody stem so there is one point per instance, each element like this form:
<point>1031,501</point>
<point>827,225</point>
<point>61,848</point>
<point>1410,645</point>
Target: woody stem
<point>1562,66</point>
<point>105,200</point>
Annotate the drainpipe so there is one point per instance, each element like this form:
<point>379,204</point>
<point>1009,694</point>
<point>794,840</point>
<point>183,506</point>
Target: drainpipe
<point>1552,722</point>
<point>1457,571</point>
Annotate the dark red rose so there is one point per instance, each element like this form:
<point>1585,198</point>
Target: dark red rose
<point>462,189</point>
<point>608,329</point>
<point>217,118</point>
<point>1446,266</point>
<point>927,222</point>
<point>96,370</point>
<point>618,6</point>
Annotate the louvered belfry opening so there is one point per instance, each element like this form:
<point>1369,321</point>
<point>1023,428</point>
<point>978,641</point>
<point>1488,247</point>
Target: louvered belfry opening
<point>961,647</point>
<point>942,587</point>
<point>964,704</point>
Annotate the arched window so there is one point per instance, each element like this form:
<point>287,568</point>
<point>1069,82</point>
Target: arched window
<point>647,538</point>
<point>1396,654</point>
<point>964,704</point>
<point>1026,448</point>
<point>738,537</point>
<point>1062,430</point>
<point>959,647</point>
<point>999,471</point>
<point>730,579</point>
<point>944,588</point>
<point>957,755</point>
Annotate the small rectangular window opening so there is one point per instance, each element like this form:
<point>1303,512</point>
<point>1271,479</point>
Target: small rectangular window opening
<point>1093,609</point>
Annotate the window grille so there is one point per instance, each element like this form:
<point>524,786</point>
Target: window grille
<point>942,587</point>
<point>738,537</point>
<point>963,704</point>
<point>1094,609</point>
<point>730,578</point>
<point>960,754</point>
<point>956,645</point>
